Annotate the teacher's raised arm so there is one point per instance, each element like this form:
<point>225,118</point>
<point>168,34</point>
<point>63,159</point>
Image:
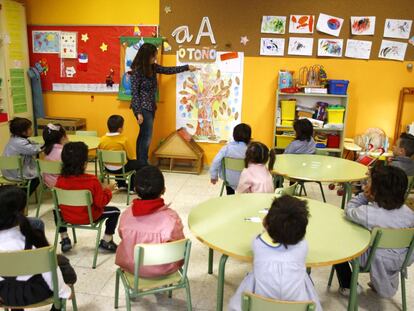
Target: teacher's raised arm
<point>144,90</point>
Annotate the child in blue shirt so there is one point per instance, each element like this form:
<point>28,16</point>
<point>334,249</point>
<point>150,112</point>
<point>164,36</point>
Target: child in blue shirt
<point>303,143</point>
<point>236,149</point>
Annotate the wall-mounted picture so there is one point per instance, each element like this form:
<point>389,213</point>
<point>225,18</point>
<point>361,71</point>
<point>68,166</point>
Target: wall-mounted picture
<point>392,50</point>
<point>300,46</point>
<point>363,25</point>
<point>360,49</point>
<point>273,24</point>
<point>301,23</point>
<point>46,41</point>
<point>330,25</point>
<point>330,47</point>
<point>272,46</point>
<point>397,28</point>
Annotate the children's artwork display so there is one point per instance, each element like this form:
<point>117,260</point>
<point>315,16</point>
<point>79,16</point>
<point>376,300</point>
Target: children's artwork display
<point>358,49</point>
<point>330,47</point>
<point>392,50</point>
<point>273,24</point>
<point>68,44</point>
<point>363,25</point>
<point>272,46</point>
<point>330,25</point>
<point>46,41</point>
<point>300,46</point>
<point>397,28</point>
<point>301,24</point>
<point>209,100</point>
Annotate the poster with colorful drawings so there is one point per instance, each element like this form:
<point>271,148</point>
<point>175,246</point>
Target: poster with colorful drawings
<point>46,41</point>
<point>69,44</point>
<point>209,100</point>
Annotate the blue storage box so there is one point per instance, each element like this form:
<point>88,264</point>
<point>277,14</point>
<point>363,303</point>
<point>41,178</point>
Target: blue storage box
<point>337,87</point>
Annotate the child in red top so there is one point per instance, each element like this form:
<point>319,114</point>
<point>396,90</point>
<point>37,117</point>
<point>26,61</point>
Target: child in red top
<point>73,177</point>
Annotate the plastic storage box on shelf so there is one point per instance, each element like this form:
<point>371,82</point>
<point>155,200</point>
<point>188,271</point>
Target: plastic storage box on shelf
<point>336,115</point>
<point>282,141</point>
<point>288,109</point>
<point>337,87</point>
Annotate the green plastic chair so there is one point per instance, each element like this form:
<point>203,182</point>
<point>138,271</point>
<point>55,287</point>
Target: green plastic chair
<point>46,167</point>
<point>291,190</point>
<point>230,164</point>
<point>410,185</point>
<point>92,158</point>
<point>156,254</point>
<point>76,199</point>
<point>41,260</point>
<point>15,163</point>
<point>114,158</point>
<point>254,302</point>
<point>389,238</point>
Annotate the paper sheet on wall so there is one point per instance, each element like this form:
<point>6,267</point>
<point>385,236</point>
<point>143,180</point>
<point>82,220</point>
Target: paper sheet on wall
<point>14,13</point>
<point>329,24</point>
<point>46,41</point>
<point>85,87</point>
<point>209,101</point>
<point>358,49</point>
<point>392,50</point>
<point>18,89</point>
<point>397,28</point>
<point>68,44</point>
<point>300,46</point>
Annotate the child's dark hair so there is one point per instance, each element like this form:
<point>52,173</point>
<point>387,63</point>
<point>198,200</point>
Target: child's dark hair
<point>74,157</point>
<point>243,133</point>
<point>52,134</point>
<point>18,126</point>
<point>287,220</point>
<point>141,61</point>
<point>303,129</point>
<point>258,153</point>
<point>388,186</point>
<point>149,183</point>
<point>115,122</point>
<point>12,203</point>
<point>407,143</point>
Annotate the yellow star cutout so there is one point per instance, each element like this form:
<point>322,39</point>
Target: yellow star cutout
<point>104,47</point>
<point>85,37</point>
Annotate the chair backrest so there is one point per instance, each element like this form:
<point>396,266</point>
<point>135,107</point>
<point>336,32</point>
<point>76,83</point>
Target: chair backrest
<point>87,133</point>
<point>162,253</point>
<point>73,198</point>
<point>291,190</point>
<point>41,260</point>
<point>112,157</point>
<point>321,152</point>
<point>48,167</point>
<point>11,163</point>
<point>231,164</point>
<point>253,302</point>
<point>410,185</point>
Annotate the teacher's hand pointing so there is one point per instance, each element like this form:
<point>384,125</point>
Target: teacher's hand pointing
<point>140,118</point>
<point>193,68</point>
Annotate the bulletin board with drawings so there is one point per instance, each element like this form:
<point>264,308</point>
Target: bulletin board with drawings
<point>81,58</point>
<point>232,19</point>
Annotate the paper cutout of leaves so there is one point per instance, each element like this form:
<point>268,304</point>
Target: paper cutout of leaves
<point>230,82</point>
<point>215,113</point>
<point>190,126</point>
<point>222,84</point>
<point>236,115</point>
<point>221,110</point>
<point>191,80</point>
<point>229,111</point>
<point>184,84</point>
<point>224,105</point>
<point>184,93</point>
<point>218,74</point>
<point>237,80</point>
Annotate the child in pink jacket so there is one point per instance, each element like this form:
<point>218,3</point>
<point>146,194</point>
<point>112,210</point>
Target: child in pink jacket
<point>256,176</point>
<point>148,221</point>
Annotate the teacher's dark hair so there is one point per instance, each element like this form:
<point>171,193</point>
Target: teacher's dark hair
<point>141,61</point>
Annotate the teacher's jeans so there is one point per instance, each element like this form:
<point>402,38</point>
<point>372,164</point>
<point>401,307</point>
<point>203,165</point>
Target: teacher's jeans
<point>144,137</point>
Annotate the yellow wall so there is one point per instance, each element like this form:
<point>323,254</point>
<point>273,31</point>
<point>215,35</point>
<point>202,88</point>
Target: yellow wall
<point>374,87</point>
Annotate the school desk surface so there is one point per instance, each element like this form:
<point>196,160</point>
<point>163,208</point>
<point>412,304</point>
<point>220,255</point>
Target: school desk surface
<point>91,141</point>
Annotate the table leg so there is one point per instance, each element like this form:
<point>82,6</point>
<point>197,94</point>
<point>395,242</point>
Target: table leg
<point>220,284</point>
<point>347,194</point>
<point>353,295</point>
<point>210,260</point>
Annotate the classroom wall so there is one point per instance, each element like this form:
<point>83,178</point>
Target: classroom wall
<point>374,87</point>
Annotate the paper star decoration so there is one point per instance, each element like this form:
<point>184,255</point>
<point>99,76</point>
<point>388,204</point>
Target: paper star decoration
<point>104,47</point>
<point>85,37</point>
<point>167,9</point>
<point>244,40</point>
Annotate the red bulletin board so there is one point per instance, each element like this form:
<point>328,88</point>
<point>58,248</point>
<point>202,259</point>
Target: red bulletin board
<point>100,62</point>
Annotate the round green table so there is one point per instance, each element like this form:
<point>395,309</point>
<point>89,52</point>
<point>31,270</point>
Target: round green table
<point>91,141</point>
<point>318,168</point>
<point>221,224</point>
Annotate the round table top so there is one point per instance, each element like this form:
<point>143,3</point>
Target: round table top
<point>220,224</point>
<point>91,141</point>
<point>313,167</point>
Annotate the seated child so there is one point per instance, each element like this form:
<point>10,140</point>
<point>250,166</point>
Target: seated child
<point>303,143</point>
<point>54,137</point>
<point>380,205</point>
<point>279,270</point>
<point>256,176</point>
<point>16,234</point>
<point>403,154</point>
<point>236,149</point>
<point>148,220</point>
<point>73,177</point>
<point>20,145</point>
<point>116,141</point>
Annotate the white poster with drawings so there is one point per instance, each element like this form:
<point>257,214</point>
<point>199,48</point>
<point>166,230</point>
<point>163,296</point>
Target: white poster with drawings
<point>272,46</point>
<point>362,25</point>
<point>392,50</point>
<point>68,44</point>
<point>358,49</point>
<point>209,100</point>
<point>330,47</point>
<point>397,28</point>
<point>300,46</point>
<point>329,24</point>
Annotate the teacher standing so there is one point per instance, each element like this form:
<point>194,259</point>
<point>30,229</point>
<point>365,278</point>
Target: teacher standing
<point>144,89</point>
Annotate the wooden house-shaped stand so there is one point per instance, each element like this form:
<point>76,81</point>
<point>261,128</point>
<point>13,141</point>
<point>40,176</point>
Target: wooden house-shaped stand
<point>179,153</point>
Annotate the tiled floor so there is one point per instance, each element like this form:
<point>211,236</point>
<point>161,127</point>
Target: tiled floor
<point>95,287</point>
